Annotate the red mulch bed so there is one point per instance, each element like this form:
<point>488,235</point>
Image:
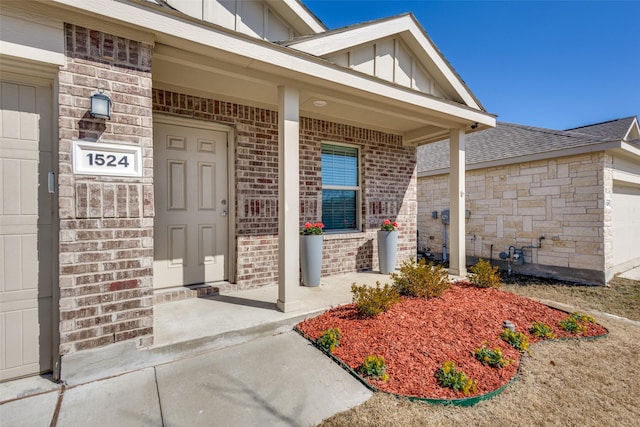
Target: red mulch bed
<point>417,336</point>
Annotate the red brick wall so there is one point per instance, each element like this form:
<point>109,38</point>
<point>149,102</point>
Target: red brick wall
<point>387,173</point>
<point>388,184</point>
<point>106,223</point>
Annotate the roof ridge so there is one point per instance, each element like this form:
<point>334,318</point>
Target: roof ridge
<point>567,133</point>
<point>602,123</point>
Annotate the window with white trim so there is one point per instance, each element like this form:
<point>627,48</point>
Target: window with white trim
<point>340,187</point>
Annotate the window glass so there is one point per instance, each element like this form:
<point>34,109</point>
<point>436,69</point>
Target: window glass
<point>340,187</point>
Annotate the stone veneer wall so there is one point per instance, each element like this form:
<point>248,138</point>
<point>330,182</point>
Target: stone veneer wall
<point>106,223</point>
<point>562,199</point>
<point>388,176</point>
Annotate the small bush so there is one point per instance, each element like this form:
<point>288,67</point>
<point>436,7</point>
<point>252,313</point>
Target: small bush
<point>575,323</point>
<point>491,357</point>
<point>449,376</point>
<point>518,340</point>
<point>370,301</point>
<point>582,318</point>
<point>540,330</point>
<point>330,339</point>
<point>375,367</point>
<point>483,275</point>
<point>421,279</point>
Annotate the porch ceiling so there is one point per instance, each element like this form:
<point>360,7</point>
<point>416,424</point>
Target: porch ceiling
<point>198,75</point>
<point>203,59</point>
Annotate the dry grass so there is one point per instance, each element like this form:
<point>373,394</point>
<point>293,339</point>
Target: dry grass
<point>576,382</point>
<point>621,298</point>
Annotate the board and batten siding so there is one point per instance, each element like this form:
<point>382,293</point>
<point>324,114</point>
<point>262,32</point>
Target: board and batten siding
<point>389,59</point>
<point>254,18</point>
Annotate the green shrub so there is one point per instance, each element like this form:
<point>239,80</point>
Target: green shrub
<point>375,367</point>
<point>421,279</point>
<point>518,340</point>
<point>330,339</point>
<point>370,301</point>
<point>449,376</point>
<point>575,323</point>
<point>582,318</point>
<point>483,275</point>
<point>540,330</point>
<point>491,357</point>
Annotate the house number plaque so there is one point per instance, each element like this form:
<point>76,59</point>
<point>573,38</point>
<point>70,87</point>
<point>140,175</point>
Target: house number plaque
<point>93,158</point>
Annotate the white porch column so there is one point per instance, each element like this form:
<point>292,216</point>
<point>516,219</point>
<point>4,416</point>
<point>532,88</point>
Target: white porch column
<point>288,199</point>
<point>457,254</point>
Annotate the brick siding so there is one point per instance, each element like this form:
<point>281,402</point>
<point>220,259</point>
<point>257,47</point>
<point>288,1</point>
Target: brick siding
<point>387,173</point>
<point>106,223</point>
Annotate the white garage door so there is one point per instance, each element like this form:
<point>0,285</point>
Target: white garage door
<point>26,230</point>
<point>625,208</point>
<point>191,222</point>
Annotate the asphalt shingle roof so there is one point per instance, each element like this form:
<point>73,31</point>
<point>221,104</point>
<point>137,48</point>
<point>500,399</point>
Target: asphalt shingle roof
<point>508,140</point>
<point>613,129</point>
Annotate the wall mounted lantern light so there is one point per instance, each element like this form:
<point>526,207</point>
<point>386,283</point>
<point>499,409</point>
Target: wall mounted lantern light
<point>100,106</point>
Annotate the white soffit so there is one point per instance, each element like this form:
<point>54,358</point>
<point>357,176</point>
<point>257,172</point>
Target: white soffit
<point>413,35</point>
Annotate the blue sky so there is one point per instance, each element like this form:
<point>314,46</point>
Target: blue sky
<point>552,64</point>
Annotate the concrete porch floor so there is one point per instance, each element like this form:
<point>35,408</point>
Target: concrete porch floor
<point>251,311</point>
<point>194,326</point>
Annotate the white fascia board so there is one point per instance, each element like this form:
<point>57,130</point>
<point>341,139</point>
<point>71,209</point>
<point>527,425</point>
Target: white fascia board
<point>630,149</point>
<point>261,55</point>
<point>352,36</point>
<point>629,153</point>
<point>305,15</point>
<point>634,124</point>
<point>341,40</point>
<point>625,177</point>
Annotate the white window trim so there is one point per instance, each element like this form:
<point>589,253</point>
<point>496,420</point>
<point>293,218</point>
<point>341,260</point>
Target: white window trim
<point>357,189</point>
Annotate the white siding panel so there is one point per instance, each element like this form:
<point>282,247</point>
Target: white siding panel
<point>190,7</point>
<point>341,59</point>
<point>404,65</point>
<point>221,12</point>
<point>362,59</point>
<point>385,59</point>
<point>421,80</point>
<point>278,30</point>
<point>252,18</point>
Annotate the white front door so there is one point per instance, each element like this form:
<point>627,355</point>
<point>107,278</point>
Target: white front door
<point>27,243</point>
<point>191,222</point>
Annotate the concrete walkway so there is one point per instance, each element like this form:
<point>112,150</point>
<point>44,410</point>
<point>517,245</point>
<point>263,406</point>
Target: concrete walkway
<point>228,360</point>
<point>274,381</point>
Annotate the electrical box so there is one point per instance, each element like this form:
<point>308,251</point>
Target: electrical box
<point>445,216</point>
<point>434,214</point>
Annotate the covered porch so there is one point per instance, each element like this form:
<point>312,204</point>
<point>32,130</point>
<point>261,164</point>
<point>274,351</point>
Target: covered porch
<point>193,326</point>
